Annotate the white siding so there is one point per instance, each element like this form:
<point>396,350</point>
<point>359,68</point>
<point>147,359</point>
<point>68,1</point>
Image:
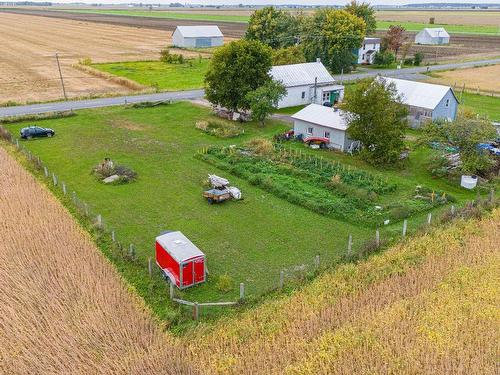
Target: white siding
<point>294,96</point>
<point>338,138</point>
<point>179,41</point>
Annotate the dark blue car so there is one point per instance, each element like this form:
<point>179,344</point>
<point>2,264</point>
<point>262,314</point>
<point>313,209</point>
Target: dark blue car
<point>36,131</point>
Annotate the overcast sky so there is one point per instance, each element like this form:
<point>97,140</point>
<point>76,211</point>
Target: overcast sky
<point>276,2</point>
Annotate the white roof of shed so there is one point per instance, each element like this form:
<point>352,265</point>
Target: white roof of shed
<point>372,40</point>
<point>322,115</point>
<point>203,31</point>
<point>301,74</point>
<point>419,94</point>
<point>437,32</point>
<point>178,246</point>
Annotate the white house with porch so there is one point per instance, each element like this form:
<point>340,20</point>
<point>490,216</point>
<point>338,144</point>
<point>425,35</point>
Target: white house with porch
<point>368,50</point>
<point>307,83</point>
<point>436,35</point>
<point>197,36</point>
<point>322,124</point>
<point>425,101</point>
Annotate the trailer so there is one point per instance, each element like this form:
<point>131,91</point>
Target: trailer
<point>180,261</point>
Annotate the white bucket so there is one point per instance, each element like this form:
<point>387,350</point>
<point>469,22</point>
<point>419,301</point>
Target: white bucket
<point>468,182</point>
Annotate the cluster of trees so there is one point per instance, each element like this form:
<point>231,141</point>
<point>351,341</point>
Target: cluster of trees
<point>395,42</point>
<point>329,34</point>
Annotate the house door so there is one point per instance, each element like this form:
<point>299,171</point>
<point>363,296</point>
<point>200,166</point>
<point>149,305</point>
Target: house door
<point>334,97</point>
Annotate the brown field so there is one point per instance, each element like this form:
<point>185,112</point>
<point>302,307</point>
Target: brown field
<point>28,66</point>
<point>441,17</point>
<point>63,307</point>
<point>483,79</point>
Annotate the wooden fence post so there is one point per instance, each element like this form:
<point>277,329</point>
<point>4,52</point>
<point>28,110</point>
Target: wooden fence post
<point>46,171</point>
<point>131,251</point>
<point>150,268</point>
<point>74,197</point>
<point>377,237</point>
<point>99,220</point>
<point>316,261</point>
<point>17,143</point>
<point>492,195</point>
<point>453,209</point>
<point>429,218</point>
<point>349,245</point>
<point>282,279</point>
<point>242,291</point>
<point>405,227</point>
<point>64,188</point>
<point>171,290</point>
<point>196,311</point>
<point>113,236</point>
<point>54,179</point>
<point>86,208</point>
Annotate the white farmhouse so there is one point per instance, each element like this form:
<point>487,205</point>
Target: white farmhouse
<point>437,35</point>
<point>368,50</point>
<point>197,36</point>
<point>325,124</point>
<point>307,83</point>
<point>425,101</point>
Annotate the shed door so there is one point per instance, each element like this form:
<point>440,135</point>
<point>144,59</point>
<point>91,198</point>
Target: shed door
<point>203,42</point>
<point>199,270</point>
<point>187,274</point>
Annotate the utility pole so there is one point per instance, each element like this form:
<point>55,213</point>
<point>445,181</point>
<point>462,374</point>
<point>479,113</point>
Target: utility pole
<point>61,77</point>
<point>315,89</point>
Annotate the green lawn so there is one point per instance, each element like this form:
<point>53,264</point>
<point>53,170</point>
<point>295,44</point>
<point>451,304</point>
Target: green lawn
<point>290,110</point>
<point>250,240</point>
<point>168,77</point>
<point>460,29</point>
<point>482,104</point>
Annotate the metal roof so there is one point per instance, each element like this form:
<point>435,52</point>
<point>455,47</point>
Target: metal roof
<point>419,94</point>
<point>203,31</point>
<point>178,246</point>
<point>372,40</point>
<point>437,32</point>
<point>301,74</point>
<point>322,115</point>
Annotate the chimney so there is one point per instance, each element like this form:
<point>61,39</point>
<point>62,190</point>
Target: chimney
<point>318,59</point>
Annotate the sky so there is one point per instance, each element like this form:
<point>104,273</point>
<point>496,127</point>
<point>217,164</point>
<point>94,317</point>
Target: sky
<point>280,2</point>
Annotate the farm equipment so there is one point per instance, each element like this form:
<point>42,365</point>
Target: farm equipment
<point>221,191</point>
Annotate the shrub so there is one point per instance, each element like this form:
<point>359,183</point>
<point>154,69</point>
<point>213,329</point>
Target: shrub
<point>219,128</point>
<point>85,61</point>
<point>408,61</point>
<point>384,58</point>
<point>171,58</point>
<point>108,168</point>
<point>37,117</point>
<point>418,58</point>
<point>224,283</point>
<point>261,146</point>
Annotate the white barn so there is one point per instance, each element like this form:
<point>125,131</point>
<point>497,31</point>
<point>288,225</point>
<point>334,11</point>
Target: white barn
<point>307,83</point>
<point>197,36</point>
<point>368,50</point>
<point>437,35</point>
<point>326,123</point>
<point>426,101</point>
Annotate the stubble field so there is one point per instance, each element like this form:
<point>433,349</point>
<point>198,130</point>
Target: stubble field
<point>28,65</point>
<point>482,79</point>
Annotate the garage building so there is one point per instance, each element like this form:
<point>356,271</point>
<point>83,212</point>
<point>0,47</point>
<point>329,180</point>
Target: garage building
<point>197,36</point>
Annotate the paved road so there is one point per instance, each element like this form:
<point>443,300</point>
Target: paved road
<point>407,73</point>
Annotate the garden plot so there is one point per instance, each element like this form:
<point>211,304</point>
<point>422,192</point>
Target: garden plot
<point>325,187</point>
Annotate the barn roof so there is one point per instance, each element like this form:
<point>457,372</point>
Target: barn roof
<point>179,246</point>
<point>203,31</point>
<point>371,40</point>
<point>321,115</point>
<point>437,32</point>
<point>419,94</point>
<point>301,74</point>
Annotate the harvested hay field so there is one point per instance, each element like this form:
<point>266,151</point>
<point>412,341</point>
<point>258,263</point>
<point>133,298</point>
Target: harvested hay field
<point>28,65</point>
<point>63,307</point>
<point>429,305</point>
<point>481,80</point>
<point>456,17</point>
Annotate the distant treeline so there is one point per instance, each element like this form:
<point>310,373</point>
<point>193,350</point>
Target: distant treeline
<point>26,3</point>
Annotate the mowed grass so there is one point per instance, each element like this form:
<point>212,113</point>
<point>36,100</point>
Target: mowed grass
<point>168,77</point>
<point>451,28</point>
<point>482,104</point>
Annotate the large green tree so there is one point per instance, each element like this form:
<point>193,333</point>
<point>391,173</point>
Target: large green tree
<point>333,35</point>
<point>275,27</point>
<point>376,116</point>
<point>264,100</point>
<point>466,132</point>
<point>366,12</point>
<point>236,69</point>
<point>288,55</point>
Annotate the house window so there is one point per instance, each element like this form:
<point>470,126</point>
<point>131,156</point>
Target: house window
<point>447,102</point>
<point>303,94</point>
<point>363,57</point>
<point>309,130</point>
<point>327,135</point>
<point>326,96</point>
<point>364,46</point>
<point>374,46</point>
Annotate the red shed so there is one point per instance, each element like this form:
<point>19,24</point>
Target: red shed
<point>180,260</point>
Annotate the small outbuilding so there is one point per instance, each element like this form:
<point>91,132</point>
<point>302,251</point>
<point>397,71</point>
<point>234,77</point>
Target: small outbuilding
<point>435,36</point>
<point>180,260</point>
<point>319,122</point>
<point>425,101</point>
<point>307,83</point>
<point>368,50</point>
<point>197,36</point>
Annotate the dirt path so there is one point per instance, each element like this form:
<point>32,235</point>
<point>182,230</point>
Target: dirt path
<point>63,307</point>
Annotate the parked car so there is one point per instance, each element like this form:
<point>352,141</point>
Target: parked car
<point>36,131</point>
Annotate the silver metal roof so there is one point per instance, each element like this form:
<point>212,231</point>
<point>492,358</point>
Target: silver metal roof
<point>178,246</point>
<point>322,115</point>
<point>203,31</point>
<point>371,40</point>
<point>301,74</point>
<point>419,94</point>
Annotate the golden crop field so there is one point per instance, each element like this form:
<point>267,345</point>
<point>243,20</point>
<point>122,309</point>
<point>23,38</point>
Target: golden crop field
<point>456,17</point>
<point>63,307</point>
<point>430,305</point>
<point>482,79</point>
